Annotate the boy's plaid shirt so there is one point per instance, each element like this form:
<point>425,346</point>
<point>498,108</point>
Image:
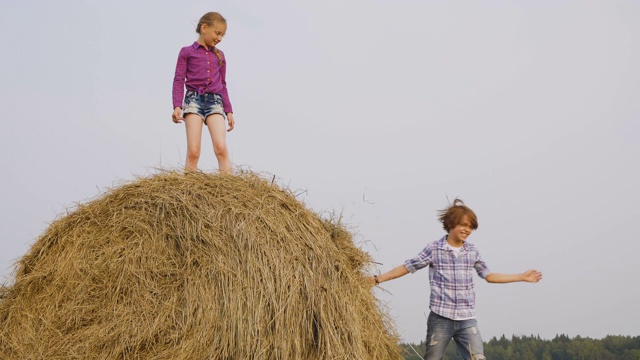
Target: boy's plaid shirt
<point>452,290</point>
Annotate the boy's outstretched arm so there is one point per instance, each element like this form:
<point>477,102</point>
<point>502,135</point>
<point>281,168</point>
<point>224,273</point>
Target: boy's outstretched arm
<point>529,276</point>
<point>390,275</point>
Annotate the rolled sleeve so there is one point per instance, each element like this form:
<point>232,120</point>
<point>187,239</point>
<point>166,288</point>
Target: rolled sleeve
<point>481,268</point>
<point>422,260</point>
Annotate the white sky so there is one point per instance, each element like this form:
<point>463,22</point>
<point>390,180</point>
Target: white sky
<point>379,110</point>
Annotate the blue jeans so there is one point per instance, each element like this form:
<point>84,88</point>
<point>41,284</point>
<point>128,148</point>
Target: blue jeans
<point>465,333</point>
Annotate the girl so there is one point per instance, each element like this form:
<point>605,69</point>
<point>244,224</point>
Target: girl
<point>202,69</point>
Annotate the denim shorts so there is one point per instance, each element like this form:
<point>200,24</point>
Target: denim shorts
<point>203,105</point>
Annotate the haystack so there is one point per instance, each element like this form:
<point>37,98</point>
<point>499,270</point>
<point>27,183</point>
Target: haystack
<point>194,266</point>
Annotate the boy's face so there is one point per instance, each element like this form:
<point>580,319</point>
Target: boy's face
<point>458,235</point>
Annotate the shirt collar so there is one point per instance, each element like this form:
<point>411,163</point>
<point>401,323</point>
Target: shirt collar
<point>196,45</point>
<point>442,244</point>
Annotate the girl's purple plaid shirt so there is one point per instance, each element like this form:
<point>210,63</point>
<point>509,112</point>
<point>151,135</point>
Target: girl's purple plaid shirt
<point>199,69</point>
<point>451,278</point>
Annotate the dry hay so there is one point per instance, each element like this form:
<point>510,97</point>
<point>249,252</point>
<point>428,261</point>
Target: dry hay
<point>194,266</point>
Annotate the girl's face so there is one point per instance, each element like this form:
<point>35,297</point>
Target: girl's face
<point>212,35</point>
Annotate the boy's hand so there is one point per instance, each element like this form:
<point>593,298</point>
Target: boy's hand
<point>232,122</point>
<point>532,276</point>
<point>177,115</point>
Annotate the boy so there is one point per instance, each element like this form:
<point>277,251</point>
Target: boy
<point>452,301</point>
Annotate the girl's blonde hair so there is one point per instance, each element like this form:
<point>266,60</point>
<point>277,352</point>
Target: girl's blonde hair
<point>209,19</point>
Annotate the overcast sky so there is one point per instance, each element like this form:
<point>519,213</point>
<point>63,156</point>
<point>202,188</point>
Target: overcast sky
<point>380,110</point>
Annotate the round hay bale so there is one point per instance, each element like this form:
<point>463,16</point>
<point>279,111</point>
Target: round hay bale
<point>194,266</point>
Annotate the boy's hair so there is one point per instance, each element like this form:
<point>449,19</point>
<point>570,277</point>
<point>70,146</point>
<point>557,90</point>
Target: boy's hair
<point>209,19</point>
<point>452,216</point>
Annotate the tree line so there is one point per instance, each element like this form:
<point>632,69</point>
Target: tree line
<point>534,348</point>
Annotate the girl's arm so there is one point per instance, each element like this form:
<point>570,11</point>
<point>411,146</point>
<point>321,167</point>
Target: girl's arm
<point>179,78</point>
<point>528,276</point>
<point>390,275</point>
<point>178,86</point>
<point>226,103</point>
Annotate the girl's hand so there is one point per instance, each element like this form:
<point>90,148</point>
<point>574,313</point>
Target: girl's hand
<point>232,122</point>
<point>177,115</point>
